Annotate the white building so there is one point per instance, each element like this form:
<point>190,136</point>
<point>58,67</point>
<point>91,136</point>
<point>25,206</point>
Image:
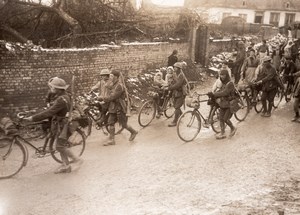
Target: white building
<point>275,12</point>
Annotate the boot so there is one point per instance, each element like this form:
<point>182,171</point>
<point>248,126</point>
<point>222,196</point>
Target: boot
<point>63,169</point>
<point>176,117</point>
<point>222,134</point>
<point>233,131</point>
<point>264,109</point>
<point>133,133</point>
<point>111,140</point>
<point>159,112</point>
<point>296,117</point>
<point>270,106</point>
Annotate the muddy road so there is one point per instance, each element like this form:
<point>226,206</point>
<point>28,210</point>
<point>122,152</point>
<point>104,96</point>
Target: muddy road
<point>255,172</point>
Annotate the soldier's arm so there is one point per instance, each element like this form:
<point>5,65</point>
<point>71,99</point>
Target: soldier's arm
<point>58,105</point>
<point>226,92</point>
<point>270,76</point>
<point>178,84</point>
<point>115,95</point>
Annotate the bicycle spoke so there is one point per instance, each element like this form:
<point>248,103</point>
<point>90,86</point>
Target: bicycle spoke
<point>188,126</point>
<point>146,113</point>
<point>76,142</point>
<point>258,106</point>
<point>169,109</point>
<point>215,121</point>
<point>278,98</point>
<point>242,113</point>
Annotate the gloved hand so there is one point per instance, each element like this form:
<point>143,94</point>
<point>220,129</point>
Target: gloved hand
<point>210,94</point>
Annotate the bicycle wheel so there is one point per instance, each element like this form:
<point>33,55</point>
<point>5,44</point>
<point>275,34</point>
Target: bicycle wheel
<point>147,113</point>
<point>169,109</point>
<point>242,113</point>
<point>188,126</point>
<point>258,106</point>
<point>278,98</point>
<point>76,142</point>
<point>215,120</point>
<point>12,157</point>
<point>88,129</point>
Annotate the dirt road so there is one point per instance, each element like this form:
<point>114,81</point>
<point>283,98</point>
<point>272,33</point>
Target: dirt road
<point>255,172</point>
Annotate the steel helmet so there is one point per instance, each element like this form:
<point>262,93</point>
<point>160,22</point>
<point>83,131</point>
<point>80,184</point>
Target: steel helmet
<point>58,83</point>
<point>105,72</point>
<point>178,65</point>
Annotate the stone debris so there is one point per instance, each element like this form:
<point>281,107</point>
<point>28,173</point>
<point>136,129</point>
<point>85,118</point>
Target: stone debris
<point>215,62</point>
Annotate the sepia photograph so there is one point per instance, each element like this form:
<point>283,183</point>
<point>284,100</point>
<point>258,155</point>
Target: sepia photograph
<point>149,107</point>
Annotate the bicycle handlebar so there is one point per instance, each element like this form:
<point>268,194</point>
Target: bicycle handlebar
<point>24,114</point>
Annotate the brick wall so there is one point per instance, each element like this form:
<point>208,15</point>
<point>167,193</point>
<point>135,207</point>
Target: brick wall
<point>24,73</point>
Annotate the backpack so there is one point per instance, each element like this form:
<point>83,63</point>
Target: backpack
<point>8,126</point>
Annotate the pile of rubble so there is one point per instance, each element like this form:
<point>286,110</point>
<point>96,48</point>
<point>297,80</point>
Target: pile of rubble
<point>215,62</point>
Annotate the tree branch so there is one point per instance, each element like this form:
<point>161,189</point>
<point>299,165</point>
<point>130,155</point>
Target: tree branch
<point>38,17</point>
<point>14,33</point>
<point>76,28</point>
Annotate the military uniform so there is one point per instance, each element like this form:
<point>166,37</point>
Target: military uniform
<point>117,110</point>
<point>57,112</point>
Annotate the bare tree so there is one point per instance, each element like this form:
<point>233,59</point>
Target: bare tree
<point>18,8</point>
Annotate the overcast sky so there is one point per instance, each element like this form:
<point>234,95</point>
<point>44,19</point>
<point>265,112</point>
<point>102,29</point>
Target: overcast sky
<point>169,2</point>
<point>159,2</point>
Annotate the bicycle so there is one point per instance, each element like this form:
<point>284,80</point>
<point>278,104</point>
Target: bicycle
<point>247,102</point>
<point>14,153</point>
<point>189,123</point>
<point>91,108</point>
<point>149,109</point>
<point>36,129</point>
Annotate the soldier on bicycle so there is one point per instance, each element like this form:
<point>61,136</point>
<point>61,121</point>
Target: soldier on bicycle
<point>224,95</point>
<point>179,93</point>
<point>58,112</point>
<point>267,79</point>
<point>117,108</point>
<point>288,69</point>
<point>102,89</point>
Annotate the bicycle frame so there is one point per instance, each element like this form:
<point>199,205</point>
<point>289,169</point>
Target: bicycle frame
<point>194,118</point>
<point>165,102</point>
<point>212,107</point>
